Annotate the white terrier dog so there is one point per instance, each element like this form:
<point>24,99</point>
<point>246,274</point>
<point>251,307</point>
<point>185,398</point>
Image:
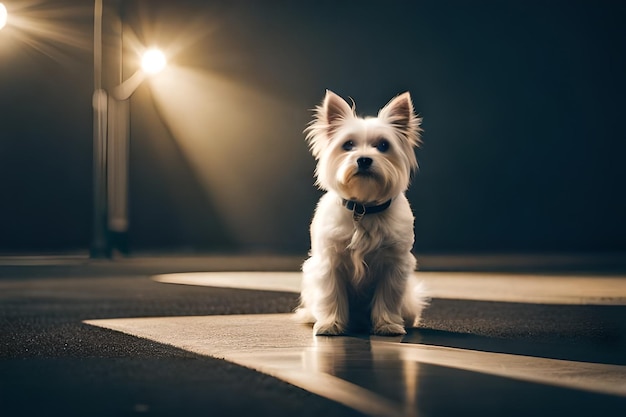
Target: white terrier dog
<point>360,269</point>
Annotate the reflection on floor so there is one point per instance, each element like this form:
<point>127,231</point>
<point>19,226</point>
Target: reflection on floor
<point>395,376</point>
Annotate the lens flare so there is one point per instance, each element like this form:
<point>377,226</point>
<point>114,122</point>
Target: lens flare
<point>56,30</point>
<point>3,16</point>
<point>153,61</point>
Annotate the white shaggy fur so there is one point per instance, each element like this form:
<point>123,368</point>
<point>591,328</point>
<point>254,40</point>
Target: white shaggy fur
<point>360,269</point>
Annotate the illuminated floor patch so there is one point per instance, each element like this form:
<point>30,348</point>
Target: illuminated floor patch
<point>515,288</point>
<point>264,281</point>
<point>343,369</point>
<point>380,376</point>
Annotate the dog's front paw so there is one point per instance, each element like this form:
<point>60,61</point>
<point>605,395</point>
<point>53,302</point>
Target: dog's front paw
<point>328,329</point>
<point>388,329</point>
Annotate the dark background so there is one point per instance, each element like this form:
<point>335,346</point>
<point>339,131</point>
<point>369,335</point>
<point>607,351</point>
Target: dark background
<point>523,106</point>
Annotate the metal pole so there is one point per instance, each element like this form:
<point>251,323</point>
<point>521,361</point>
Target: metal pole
<point>118,147</point>
<point>100,247</point>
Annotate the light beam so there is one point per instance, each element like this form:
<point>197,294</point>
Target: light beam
<point>243,144</point>
<point>3,16</point>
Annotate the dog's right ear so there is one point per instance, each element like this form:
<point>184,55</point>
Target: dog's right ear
<point>335,110</point>
<point>328,117</point>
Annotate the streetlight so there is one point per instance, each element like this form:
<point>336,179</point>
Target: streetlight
<point>110,144</point>
<point>153,61</point>
<point>4,15</point>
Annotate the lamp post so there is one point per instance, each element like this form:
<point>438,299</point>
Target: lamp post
<point>100,247</point>
<point>110,146</point>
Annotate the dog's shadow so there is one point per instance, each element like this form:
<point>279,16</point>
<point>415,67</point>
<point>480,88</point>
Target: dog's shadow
<point>548,331</point>
<point>568,332</point>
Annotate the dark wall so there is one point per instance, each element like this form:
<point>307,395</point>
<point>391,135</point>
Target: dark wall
<point>522,104</point>
<point>45,127</point>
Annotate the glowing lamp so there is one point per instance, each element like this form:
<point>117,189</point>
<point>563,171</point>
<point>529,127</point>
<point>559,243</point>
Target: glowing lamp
<point>153,61</point>
<point>3,16</point>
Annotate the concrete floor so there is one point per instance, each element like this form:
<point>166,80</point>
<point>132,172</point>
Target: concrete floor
<point>119,339</point>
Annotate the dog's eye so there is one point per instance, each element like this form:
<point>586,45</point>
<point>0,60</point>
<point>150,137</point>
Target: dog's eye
<point>383,146</point>
<point>348,146</point>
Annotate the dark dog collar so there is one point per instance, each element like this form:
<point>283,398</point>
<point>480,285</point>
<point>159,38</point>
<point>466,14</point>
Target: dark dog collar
<point>359,210</point>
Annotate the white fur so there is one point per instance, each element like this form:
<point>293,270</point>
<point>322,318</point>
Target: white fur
<point>358,266</point>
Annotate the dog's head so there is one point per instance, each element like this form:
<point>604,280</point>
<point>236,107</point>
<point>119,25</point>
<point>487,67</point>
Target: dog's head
<point>368,160</point>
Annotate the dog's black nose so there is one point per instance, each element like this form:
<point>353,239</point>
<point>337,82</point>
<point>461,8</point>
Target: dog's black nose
<point>364,162</point>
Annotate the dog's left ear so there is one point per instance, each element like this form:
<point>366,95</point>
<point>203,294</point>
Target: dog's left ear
<point>400,113</point>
